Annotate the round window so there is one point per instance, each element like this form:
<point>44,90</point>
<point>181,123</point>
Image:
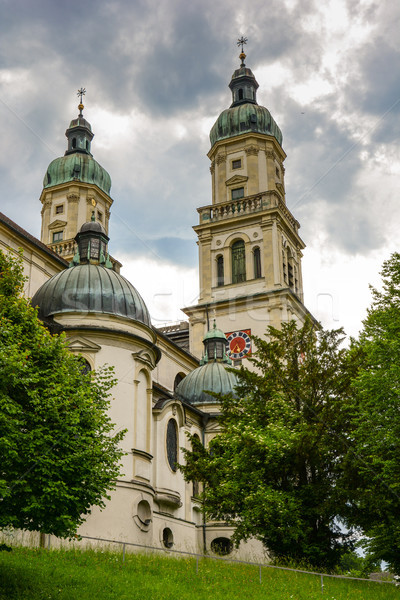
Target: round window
<point>172,444</point>
<point>221,546</point>
<point>167,537</point>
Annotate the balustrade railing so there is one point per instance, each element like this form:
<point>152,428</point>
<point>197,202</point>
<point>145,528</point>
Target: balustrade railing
<point>66,248</point>
<point>247,205</point>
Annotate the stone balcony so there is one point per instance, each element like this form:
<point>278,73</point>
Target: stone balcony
<point>64,248</point>
<point>246,206</point>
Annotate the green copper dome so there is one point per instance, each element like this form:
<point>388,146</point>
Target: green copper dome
<point>77,167</point>
<point>212,377</point>
<point>244,114</point>
<point>244,118</point>
<point>78,164</point>
<point>90,285</point>
<point>89,288</point>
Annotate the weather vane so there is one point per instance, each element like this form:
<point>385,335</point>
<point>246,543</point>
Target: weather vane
<point>242,41</point>
<point>80,95</point>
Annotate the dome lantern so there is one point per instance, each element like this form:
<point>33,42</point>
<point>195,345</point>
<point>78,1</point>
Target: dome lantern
<point>79,132</point>
<point>92,244</point>
<point>243,83</point>
<point>215,346</point>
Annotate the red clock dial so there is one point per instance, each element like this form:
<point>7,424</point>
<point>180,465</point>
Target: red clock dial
<point>239,343</point>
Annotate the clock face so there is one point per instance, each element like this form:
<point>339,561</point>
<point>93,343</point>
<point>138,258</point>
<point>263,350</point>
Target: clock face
<point>239,343</point>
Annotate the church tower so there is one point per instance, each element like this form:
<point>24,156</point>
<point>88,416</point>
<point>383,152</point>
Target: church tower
<point>74,186</point>
<point>249,247</point>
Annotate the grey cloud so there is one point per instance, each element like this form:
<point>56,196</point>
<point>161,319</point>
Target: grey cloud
<point>176,58</point>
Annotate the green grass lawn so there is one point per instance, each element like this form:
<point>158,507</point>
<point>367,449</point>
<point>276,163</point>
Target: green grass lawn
<point>29,574</point>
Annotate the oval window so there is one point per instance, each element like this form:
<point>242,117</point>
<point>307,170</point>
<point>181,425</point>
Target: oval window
<point>167,537</point>
<point>144,512</point>
<point>172,444</point>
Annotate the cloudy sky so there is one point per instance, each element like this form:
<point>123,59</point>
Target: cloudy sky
<point>156,75</point>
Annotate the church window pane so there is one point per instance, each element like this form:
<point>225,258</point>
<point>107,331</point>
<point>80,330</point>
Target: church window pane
<point>74,142</point>
<point>172,444</point>
<point>57,236</point>
<point>257,263</point>
<point>240,94</point>
<point>237,193</point>
<point>237,164</point>
<point>220,271</point>
<point>59,209</point>
<point>238,262</point>
<point>215,349</point>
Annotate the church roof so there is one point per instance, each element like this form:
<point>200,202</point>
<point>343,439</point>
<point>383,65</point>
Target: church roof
<point>244,118</point>
<point>90,288</point>
<point>77,167</point>
<point>211,377</point>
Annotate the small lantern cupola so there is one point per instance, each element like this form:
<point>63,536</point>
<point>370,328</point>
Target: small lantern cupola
<point>92,243</point>
<point>215,346</point>
<point>243,83</point>
<point>79,132</point>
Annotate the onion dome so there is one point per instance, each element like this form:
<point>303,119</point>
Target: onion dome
<point>212,375</point>
<point>78,163</point>
<point>244,114</point>
<point>90,285</point>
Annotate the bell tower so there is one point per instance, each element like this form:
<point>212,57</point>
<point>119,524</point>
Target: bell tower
<point>250,250</point>
<point>74,186</point>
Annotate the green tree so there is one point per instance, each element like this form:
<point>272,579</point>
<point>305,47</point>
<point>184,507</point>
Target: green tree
<point>58,452</point>
<point>374,462</point>
<point>274,470</point>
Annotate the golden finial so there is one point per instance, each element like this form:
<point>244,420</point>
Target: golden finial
<point>241,42</point>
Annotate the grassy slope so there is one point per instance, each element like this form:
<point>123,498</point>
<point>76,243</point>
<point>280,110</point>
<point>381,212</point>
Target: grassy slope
<point>72,575</point>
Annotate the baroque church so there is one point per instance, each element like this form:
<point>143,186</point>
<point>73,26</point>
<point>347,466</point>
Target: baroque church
<point>250,277</point>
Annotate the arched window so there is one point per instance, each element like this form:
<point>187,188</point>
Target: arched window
<point>74,142</point>
<point>221,546</point>
<point>257,263</point>
<point>290,269</point>
<point>172,444</point>
<point>220,270</point>
<point>178,379</point>
<point>240,94</point>
<point>238,262</point>
<point>85,365</point>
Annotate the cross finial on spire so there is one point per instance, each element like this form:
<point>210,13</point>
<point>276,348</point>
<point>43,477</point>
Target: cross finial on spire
<point>80,95</point>
<point>241,42</point>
